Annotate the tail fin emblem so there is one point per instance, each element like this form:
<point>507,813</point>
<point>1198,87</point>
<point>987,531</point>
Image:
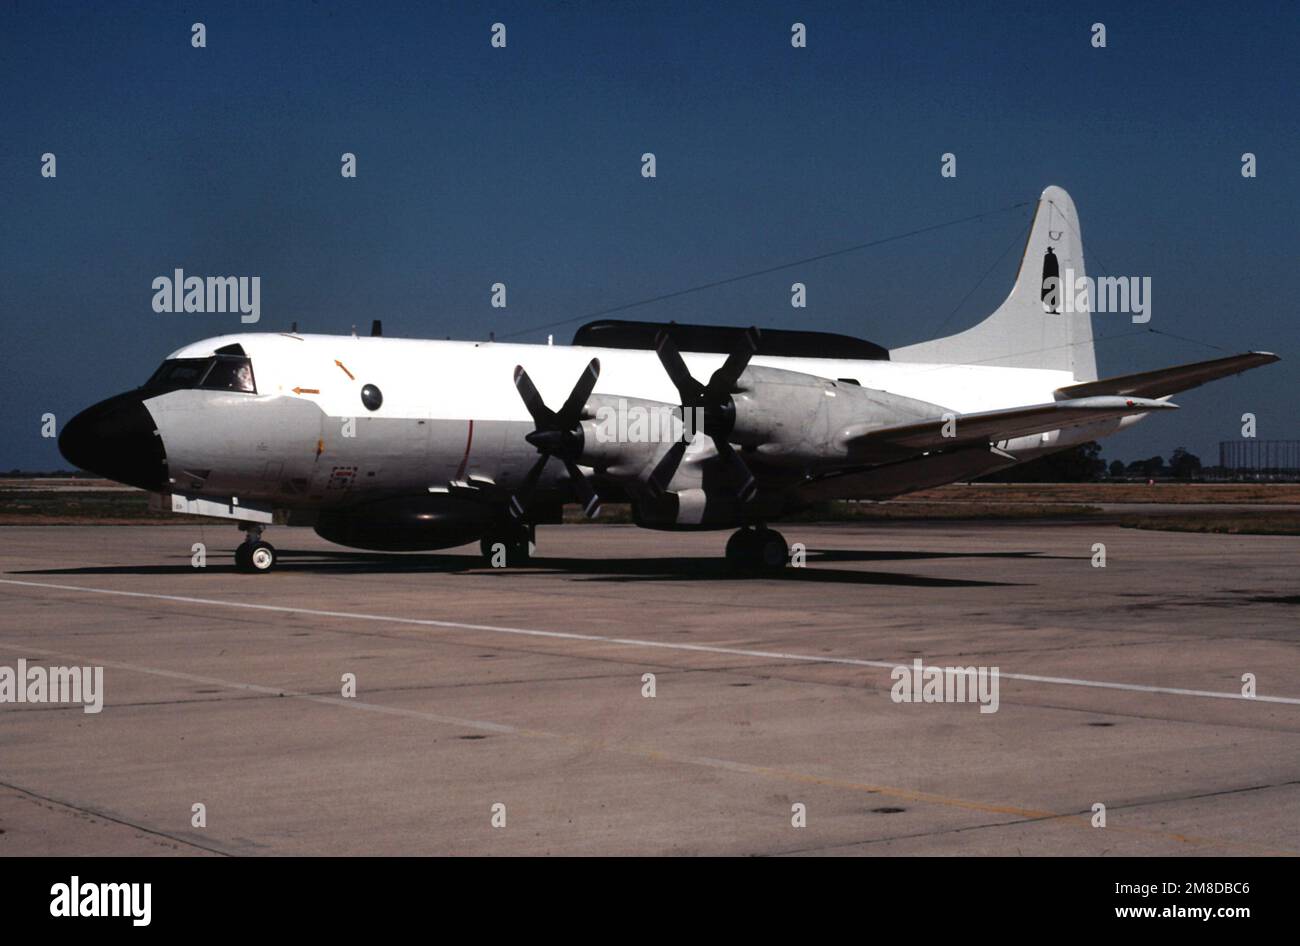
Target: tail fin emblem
<point>1051,283</point>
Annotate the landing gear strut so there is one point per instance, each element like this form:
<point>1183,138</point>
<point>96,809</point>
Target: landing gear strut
<point>508,545</point>
<point>254,555</point>
<point>759,547</point>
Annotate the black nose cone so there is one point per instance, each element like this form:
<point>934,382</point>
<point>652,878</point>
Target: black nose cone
<point>117,439</point>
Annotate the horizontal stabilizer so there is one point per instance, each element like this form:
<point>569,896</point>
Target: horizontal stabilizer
<point>996,426</point>
<point>1166,381</point>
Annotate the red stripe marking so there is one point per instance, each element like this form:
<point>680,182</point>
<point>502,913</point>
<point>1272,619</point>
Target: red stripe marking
<point>464,461</point>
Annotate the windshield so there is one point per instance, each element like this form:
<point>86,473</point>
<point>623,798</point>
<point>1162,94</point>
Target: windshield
<point>219,373</point>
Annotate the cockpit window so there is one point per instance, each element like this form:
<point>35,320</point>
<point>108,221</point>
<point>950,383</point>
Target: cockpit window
<point>179,373</point>
<point>230,374</point>
<point>220,373</point>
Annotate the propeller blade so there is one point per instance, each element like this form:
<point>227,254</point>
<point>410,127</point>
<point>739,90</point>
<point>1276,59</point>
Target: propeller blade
<point>524,495</point>
<point>556,435</point>
<point>542,415</point>
<point>737,470</point>
<point>687,387</point>
<point>586,495</point>
<point>724,379</point>
<point>571,412</point>
<point>666,468</point>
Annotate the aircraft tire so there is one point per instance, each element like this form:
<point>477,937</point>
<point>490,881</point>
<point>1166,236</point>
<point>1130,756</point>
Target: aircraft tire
<point>770,550</point>
<point>742,548</point>
<point>757,549</point>
<point>260,557</point>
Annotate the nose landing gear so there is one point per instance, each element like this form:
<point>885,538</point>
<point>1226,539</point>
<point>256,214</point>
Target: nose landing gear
<point>758,548</point>
<point>254,555</point>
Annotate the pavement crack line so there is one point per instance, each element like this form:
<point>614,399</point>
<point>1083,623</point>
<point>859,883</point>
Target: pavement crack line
<point>1081,815</point>
<point>112,819</point>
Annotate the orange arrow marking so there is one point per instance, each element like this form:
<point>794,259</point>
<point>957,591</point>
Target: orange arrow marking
<point>306,391</point>
<point>350,375</point>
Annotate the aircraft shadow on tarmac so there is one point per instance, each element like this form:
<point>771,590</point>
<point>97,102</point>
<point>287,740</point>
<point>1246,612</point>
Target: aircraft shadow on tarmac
<point>677,568</point>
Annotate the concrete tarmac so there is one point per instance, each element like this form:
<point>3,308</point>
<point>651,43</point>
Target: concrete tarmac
<point>476,688</point>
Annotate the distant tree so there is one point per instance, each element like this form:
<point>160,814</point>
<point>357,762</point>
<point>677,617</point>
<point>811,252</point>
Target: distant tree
<point>1081,464</point>
<point>1150,467</point>
<point>1184,465</point>
<point>1117,468</point>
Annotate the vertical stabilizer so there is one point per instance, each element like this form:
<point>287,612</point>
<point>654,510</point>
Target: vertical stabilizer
<point>1031,329</point>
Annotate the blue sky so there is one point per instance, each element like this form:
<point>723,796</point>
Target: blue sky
<point>522,165</point>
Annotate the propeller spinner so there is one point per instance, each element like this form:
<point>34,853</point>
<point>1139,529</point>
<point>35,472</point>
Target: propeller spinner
<point>713,403</point>
<point>558,434</point>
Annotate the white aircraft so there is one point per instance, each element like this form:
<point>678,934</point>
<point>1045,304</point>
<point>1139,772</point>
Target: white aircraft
<point>404,444</point>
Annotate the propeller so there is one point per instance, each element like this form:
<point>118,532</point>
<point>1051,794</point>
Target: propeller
<point>713,402</point>
<point>558,434</point>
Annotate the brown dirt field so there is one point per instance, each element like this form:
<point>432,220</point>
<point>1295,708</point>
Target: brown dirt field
<point>1113,493</point>
<point>68,501</point>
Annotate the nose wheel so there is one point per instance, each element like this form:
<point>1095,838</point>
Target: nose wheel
<point>759,548</point>
<point>254,555</point>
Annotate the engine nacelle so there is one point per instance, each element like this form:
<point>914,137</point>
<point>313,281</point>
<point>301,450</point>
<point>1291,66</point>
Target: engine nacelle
<point>625,435</point>
<point>795,420</point>
<point>407,523</point>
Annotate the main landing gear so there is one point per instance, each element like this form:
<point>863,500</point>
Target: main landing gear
<point>508,545</point>
<point>254,555</point>
<point>759,547</point>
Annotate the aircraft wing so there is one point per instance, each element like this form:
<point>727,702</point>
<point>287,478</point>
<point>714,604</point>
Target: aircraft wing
<point>1166,381</point>
<point>996,426</point>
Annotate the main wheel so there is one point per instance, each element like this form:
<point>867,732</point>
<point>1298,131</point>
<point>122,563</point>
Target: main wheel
<point>771,550</point>
<point>757,548</point>
<point>241,556</point>
<point>741,548</point>
<point>261,557</point>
